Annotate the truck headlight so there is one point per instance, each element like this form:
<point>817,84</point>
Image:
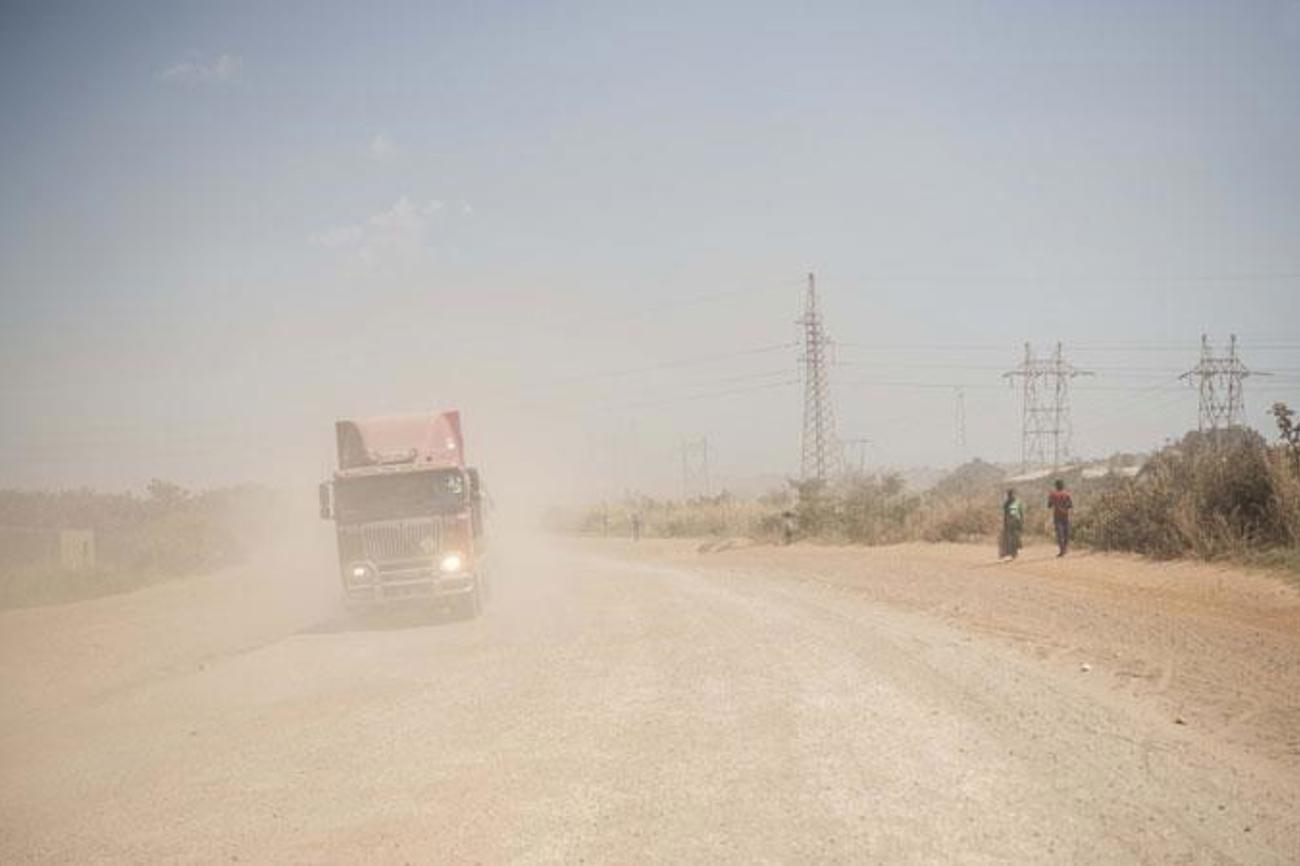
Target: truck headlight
<point>451,563</point>
<point>360,574</point>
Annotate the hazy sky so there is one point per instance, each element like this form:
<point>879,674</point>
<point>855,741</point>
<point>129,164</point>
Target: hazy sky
<point>225,225</point>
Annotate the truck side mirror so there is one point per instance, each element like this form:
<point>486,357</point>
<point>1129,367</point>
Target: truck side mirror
<point>323,493</point>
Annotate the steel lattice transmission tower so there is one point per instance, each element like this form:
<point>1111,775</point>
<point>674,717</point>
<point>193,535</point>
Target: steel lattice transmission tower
<point>1045,407</point>
<point>695,468</point>
<point>1219,383</point>
<point>822,458</point>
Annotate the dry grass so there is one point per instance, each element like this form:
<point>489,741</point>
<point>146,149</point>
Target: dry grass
<point>1227,496</point>
<point>1220,496</point>
<point>966,518</point>
<point>716,516</point>
<point>1284,477</point>
<point>139,539</point>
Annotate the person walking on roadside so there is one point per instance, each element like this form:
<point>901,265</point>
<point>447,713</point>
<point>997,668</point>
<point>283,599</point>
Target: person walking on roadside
<point>1061,504</point>
<point>636,525</point>
<point>787,527</point>
<point>1013,524</point>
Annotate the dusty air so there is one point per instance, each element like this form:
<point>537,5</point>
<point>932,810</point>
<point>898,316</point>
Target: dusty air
<point>440,433</point>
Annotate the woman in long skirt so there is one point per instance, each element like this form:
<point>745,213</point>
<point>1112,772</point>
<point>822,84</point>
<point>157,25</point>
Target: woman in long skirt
<point>1013,525</point>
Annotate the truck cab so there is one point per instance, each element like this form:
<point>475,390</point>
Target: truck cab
<point>408,514</point>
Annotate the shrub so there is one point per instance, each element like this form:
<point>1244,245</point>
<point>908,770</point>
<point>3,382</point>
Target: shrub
<point>1284,475</point>
<point>961,519</point>
<point>874,509</point>
<point>719,516</point>
<point>169,532</point>
<point>1213,495</point>
<point>974,478</point>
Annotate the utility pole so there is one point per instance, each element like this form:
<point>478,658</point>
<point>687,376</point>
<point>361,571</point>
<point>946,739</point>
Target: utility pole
<point>821,458</point>
<point>1045,407</point>
<point>695,468</point>
<point>960,419</point>
<point>617,479</point>
<point>624,461</point>
<point>862,452</point>
<point>1220,383</point>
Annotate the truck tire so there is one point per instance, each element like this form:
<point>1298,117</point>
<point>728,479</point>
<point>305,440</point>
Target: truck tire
<point>469,605</point>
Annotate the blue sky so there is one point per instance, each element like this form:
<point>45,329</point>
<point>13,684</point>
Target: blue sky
<point>225,225</point>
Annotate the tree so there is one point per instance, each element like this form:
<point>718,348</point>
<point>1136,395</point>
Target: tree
<point>166,494</point>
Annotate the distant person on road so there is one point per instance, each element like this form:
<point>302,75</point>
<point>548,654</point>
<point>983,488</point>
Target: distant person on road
<point>636,526</point>
<point>787,527</point>
<point>1061,504</point>
<point>1013,524</point>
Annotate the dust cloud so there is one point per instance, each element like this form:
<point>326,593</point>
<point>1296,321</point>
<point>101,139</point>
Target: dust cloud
<point>749,280</point>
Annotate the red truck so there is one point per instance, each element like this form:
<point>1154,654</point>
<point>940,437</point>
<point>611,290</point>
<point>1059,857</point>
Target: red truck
<point>408,513</point>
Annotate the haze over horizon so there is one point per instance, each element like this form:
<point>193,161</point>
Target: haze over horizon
<point>587,226</point>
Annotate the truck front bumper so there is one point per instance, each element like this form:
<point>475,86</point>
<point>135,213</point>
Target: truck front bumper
<point>428,585</point>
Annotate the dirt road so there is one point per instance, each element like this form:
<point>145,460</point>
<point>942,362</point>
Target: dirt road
<point>659,704</point>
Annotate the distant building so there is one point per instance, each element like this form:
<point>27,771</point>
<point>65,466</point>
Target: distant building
<point>69,549</point>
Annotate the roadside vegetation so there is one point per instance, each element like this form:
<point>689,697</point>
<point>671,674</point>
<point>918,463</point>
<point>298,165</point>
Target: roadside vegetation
<point>1223,495</point>
<point>133,539</point>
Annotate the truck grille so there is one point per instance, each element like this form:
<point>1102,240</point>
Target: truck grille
<point>389,541</point>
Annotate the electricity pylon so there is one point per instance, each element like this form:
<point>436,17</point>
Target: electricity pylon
<point>695,468</point>
<point>1045,407</point>
<point>821,459</point>
<point>1219,384</point>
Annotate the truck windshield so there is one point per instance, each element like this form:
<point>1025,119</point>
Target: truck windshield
<point>389,497</point>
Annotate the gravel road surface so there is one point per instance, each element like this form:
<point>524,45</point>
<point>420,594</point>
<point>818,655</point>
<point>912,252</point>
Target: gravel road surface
<point>664,703</point>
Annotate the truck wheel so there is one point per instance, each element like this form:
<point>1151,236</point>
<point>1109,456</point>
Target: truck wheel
<point>469,605</point>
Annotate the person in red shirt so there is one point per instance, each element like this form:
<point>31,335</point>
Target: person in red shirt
<point>1060,503</point>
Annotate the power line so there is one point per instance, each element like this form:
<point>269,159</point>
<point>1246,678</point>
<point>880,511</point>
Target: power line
<point>1086,346</point>
<point>667,306</point>
<point>1137,398</point>
<point>748,377</point>
<point>694,361</point>
<point>968,278</point>
<point>710,395</point>
<point>759,380</point>
<point>1122,371</point>
<point>896,383</point>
